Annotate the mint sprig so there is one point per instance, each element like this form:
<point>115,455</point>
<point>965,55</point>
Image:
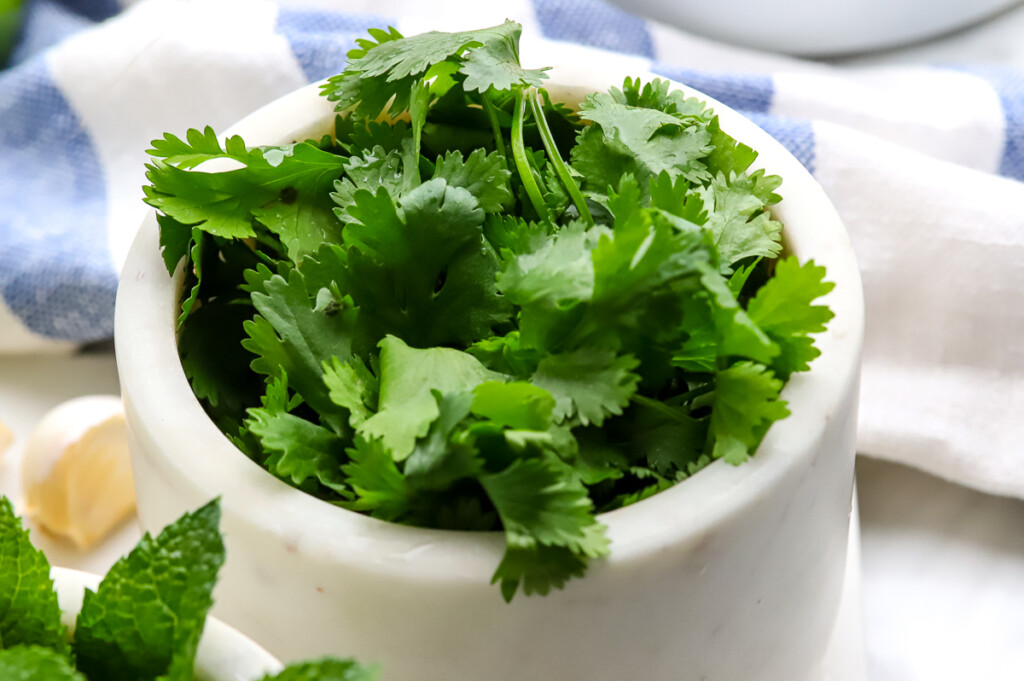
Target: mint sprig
<point>143,623</point>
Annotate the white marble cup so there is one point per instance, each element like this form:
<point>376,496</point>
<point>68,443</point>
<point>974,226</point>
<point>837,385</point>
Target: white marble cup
<point>223,655</point>
<point>732,575</point>
<point>816,28</point>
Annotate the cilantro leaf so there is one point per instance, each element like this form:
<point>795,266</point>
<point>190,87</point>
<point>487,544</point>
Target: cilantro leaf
<point>735,332</point>
<point>373,170</point>
<point>407,378</point>
<point>380,488</point>
<point>35,663</point>
<point>517,405</point>
<point>388,69</point>
<point>208,343</point>
<point>29,614</point>
<point>637,141</point>
<point>536,568</point>
<point>421,269</point>
<point>326,669</point>
<point>739,223</point>
<point>438,459</point>
<point>657,95</point>
<point>147,616</point>
<point>293,334</point>
<point>589,384</point>
<point>729,156</point>
<point>175,241</point>
<point>666,436</point>
<point>541,506</point>
<point>783,309</point>
<point>300,452</point>
<point>483,175</point>
<point>353,387</point>
<point>746,401</point>
<point>285,188</point>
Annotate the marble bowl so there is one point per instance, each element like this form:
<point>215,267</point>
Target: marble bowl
<point>223,655</point>
<point>732,575</point>
<point>816,28</point>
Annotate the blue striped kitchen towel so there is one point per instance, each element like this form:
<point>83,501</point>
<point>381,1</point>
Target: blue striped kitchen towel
<point>924,164</point>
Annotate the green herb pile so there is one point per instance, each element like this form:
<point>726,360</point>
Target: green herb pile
<point>473,308</point>
<point>142,624</point>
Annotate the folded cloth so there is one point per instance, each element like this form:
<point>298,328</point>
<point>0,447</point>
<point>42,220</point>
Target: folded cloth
<point>924,164</point>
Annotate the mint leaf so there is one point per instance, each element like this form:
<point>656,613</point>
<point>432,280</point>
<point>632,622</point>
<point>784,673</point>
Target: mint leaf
<point>29,614</point>
<point>146,618</point>
<point>35,663</point>
<point>326,669</point>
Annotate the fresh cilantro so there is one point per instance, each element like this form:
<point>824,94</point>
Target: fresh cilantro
<point>546,514</point>
<point>408,378</point>
<point>746,402</point>
<point>472,308</point>
<point>284,188</point>
<point>588,384</point>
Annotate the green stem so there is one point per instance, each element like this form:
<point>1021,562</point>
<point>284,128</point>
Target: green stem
<point>492,115</point>
<point>691,395</point>
<point>537,106</point>
<point>522,162</point>
<point>662,408</point>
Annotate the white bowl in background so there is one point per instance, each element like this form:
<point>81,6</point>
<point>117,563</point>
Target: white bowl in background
<point>732,575</point>
<point>818,27</point>
<point>223,655</point>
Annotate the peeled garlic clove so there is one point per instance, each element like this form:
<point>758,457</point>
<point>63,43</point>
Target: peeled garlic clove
<point>76,473</point>
<point>6,438</point>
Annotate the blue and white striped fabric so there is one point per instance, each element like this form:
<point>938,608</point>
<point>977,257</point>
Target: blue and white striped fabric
<point>926,166</point>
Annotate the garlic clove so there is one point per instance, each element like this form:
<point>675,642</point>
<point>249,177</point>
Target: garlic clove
<point>76,472</point>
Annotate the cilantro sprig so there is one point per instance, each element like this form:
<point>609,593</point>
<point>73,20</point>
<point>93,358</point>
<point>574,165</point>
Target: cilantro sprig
<point>144,621</point>
<point>474,308</point>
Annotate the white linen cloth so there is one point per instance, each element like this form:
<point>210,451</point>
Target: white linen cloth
<point>924,164</point>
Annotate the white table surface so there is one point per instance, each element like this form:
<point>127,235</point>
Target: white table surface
<point>943,566</point>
